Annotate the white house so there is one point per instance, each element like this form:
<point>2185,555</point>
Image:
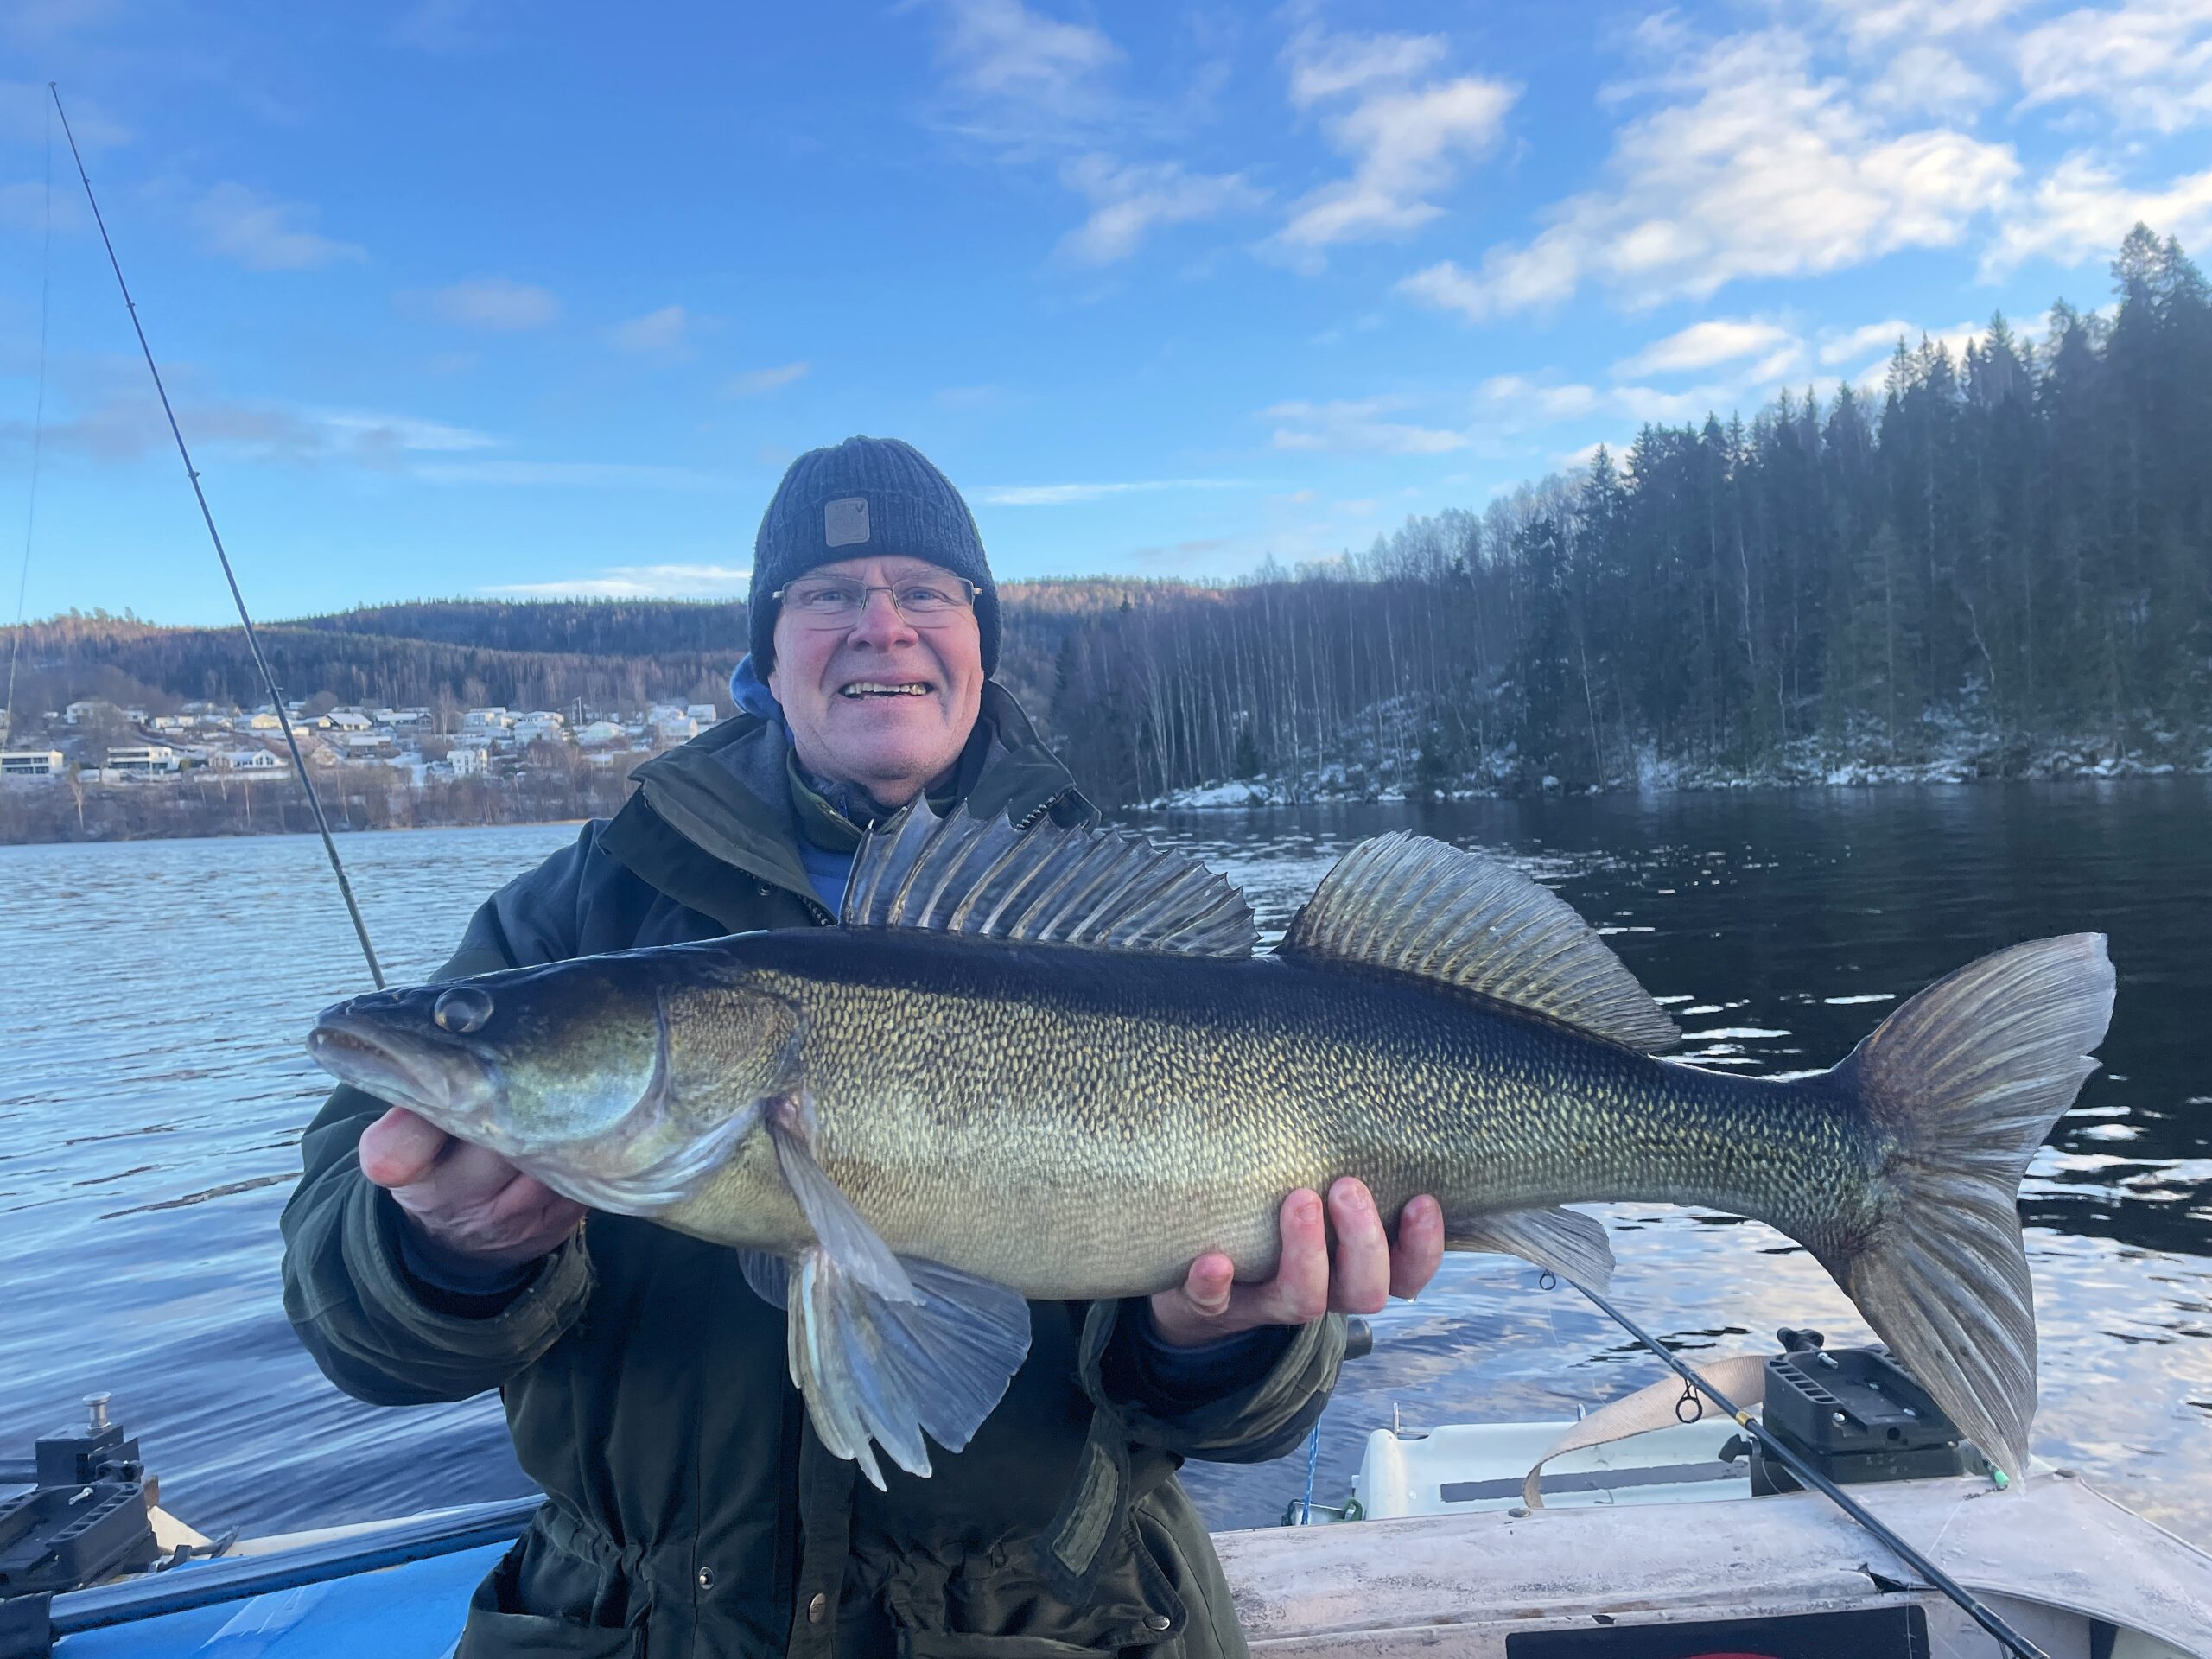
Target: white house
<point>465,762</point>
<point>348,720</point>
<point>253,763</point>
<point>85,708</point>
<point>601,733</point>
<point>31,763</point>
<point>702,712</point>
<point>142,761</point>
<point>541,723</point>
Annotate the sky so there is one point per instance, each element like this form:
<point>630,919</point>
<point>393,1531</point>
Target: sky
<point>482,297</point>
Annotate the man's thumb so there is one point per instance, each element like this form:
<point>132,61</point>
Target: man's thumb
<point>400,1149</point>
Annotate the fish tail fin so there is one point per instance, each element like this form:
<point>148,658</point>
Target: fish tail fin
<point>1963,1083</point>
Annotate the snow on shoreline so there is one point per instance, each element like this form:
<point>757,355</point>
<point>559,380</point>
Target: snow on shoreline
<point>1801,766</point>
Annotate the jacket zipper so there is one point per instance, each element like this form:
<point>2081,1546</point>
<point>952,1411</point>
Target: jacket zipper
<point>1041,810</point>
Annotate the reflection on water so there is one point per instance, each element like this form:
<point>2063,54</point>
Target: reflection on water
<point>153,996</point>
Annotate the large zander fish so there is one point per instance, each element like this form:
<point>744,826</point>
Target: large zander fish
<point>1047,1063</point>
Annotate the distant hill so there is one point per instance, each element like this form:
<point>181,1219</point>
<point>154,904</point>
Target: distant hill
<point>538,653</point>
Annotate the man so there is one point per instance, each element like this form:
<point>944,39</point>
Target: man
<point>690,1509</point>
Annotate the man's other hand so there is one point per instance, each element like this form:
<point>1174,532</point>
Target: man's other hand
<point>470,1203</point>
<point>1367,1271</point>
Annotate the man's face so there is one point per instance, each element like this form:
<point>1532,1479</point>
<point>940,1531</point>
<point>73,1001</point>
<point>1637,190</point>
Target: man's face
<point>882,704</point>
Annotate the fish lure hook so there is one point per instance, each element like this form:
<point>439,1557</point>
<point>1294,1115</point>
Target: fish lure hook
<point>252,640</point>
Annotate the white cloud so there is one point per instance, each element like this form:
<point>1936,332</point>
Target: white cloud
<point>664,333</point>
<point>492,302</point>
<point>2079,211</point>
<point>2149,62</point>
<point>591,474</point>
<point>125,424</point>
<point>1720,340</point>
<point>1128,200</point>
<point>639,582</point>
<point>1353,428</point>
<point>1763,170</point>
<point>1925,79</point>
<point>1650,403</point>
<point>368,434</point>
<point>239,223</point>
<point>1322,65</point>
<point>1061,495</point>
<point>759,382</point>
<point>1025,77</point>
<point>1875,21</point>
<point>1553,401</point>
<point>1835,348</point>
<point>26,107</point>
<point>1406,141</point>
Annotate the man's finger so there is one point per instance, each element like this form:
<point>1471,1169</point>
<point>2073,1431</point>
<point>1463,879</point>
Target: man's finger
<point>1208,1286</point>
<point>1359,1282</point>
<point>1300,1291</point>
<point>1419,1249</point>
<point>400,1149</point>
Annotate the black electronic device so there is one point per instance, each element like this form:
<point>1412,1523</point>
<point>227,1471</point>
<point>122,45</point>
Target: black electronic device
<point>1856,1414</point>
<point>86,1516</point>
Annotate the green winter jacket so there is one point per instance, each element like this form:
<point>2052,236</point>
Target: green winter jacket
<point>689,1510</point>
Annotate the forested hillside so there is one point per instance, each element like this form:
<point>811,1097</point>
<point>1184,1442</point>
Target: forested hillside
<point>2005,553</point>
<point>2000,559</point>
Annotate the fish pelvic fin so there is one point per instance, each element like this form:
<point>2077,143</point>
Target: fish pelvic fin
<point>1565,1243</point>
<point>1413,906</point>
<point>1964,1081</point>
<point>1050,882</point>
<point>880,1373</point>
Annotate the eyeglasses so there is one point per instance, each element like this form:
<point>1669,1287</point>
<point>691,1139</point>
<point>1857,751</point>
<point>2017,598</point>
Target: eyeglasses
<point>924,601</point>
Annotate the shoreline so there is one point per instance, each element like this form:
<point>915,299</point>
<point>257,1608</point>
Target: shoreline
<point>1214,797</point>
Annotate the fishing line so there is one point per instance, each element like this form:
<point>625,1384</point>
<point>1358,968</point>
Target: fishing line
<point>1965,1598</point>
<point>252,640</point>
<point>38,437</point>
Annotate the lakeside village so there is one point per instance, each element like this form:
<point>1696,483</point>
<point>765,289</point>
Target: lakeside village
<point>97,771</point>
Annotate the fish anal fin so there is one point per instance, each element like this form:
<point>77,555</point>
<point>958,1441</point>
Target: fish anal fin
<point>1050,883</point>
<point>879,1373</point>
<point>1562,1242</point>
<point>1413,906</point>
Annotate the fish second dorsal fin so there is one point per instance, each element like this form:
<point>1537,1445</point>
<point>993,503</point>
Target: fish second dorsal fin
<point>1417,906</point>
<point>1048,883</point>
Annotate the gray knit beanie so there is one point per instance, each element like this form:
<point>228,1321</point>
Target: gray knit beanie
<point>863,497</point>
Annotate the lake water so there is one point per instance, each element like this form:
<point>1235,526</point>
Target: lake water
<point>153,997</point>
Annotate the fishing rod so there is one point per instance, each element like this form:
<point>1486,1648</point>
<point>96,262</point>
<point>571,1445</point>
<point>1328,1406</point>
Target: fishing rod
<point>1782,1453</point>
<point>252,640</point>
<point>38,433</point>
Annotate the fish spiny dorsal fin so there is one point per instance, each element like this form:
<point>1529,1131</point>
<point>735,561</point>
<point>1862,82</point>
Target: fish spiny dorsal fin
<point>1049,883</point>
<point>1416,907</point>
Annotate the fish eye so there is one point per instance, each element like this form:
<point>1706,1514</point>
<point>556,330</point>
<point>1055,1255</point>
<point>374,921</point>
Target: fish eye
<point>462,1010</point>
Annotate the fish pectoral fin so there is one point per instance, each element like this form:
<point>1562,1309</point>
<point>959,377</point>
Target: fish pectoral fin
<point>841,1231</point>
<point>1563,1242</point>
<point>874,1370</point>
<point>768,1276</point>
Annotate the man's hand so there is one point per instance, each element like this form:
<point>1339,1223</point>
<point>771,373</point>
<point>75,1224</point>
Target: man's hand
<point>470,1203</point>
<point>1367,1272</point>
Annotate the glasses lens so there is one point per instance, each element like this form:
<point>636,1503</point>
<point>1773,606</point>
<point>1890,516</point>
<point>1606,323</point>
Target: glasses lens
<point>919,600</point>
<point>828,603</point>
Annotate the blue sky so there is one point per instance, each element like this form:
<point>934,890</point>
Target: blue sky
<point>475,297</point>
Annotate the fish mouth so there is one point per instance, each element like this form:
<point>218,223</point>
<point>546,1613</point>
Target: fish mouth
<point>453,1088</point>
